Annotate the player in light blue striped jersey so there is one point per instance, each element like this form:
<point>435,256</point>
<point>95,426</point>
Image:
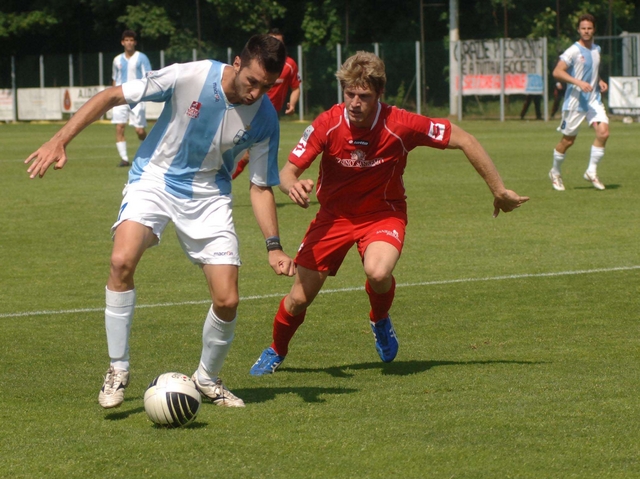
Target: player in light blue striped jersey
<point>212,113</point>
<point>578,68</point>
<point>129,65</point>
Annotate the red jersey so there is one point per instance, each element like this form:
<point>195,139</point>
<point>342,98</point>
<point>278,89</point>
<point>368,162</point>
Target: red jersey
<point>289,78</point>
<point>361,169</point>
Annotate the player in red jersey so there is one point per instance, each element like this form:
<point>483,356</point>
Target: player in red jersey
<point>364,146</point>
<point>289,79</point>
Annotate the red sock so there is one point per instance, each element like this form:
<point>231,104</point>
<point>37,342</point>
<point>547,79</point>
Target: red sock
<point>284,327</point>
<point>240,168</point>
<point>380,303</point>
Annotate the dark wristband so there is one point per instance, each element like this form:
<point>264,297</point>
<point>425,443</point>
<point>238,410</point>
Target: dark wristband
<point>273,243</point>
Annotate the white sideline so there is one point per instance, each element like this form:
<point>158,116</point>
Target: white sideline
<point>340,290</point>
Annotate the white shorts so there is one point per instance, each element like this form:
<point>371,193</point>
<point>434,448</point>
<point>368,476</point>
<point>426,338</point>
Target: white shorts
<point>136,116</point>
<point>571,119</point>
<point>204,226</point>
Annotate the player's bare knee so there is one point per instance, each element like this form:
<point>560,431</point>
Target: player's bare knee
<point>379,277</point>
<point>295,304</point>
<point>122,268</point>
<point>225,308</point>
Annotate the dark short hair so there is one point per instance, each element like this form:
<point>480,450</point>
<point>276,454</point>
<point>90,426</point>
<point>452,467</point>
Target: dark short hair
<point>270,53</point>
<point>129,34</point>
<point>276,31</point>
<point>587,17</point>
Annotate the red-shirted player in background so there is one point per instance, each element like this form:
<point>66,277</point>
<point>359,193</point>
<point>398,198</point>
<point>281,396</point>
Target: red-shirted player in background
<point>289,78</point>
<point>364,145</point>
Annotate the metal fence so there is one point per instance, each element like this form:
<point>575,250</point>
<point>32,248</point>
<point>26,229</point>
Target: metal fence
<point>411,86</point>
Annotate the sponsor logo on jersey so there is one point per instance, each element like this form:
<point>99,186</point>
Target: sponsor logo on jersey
<point>241,137</point>
<point>436,131</point>
<point>194,109</point>
<point>359,142</point>
<point>216,93</point>
<point>223,253</point>
<point>359,160</point>
<point>302,144</point>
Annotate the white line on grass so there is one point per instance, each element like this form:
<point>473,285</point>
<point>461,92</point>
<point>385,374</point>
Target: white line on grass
<point>339,290</point>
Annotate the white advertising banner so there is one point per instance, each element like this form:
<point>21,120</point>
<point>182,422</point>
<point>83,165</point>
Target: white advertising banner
<point>624,95</point>
<point>6,105</point>
<point>72,98</point>
<point>39,104</point>
<point>481,60</point>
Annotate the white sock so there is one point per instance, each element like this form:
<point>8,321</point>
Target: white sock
<point>122,149</point>
<point>217,336</point>
<point>118,316</point>
<point>596,155</point>
<point>558,158</point>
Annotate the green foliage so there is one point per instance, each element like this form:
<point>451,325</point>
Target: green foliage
<point>252,16</point>
<point>19,24</point>
<point>148,21</point>
<point>322,24</point>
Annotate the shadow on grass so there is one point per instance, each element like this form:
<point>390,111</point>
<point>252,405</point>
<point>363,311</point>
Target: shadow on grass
<point>608,187</point>
<point>396,368</point>
<point>307,394</point>
<point>121,414</point>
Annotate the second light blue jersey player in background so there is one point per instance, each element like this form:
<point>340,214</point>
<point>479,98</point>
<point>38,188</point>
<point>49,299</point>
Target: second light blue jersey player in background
<point>578,68</point>
<point>129,65</point>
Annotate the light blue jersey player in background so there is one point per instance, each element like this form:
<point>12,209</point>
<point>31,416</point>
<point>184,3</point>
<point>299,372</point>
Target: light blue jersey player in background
<point>578,68</point>
<point>129,65</point>
<point>181,173</point>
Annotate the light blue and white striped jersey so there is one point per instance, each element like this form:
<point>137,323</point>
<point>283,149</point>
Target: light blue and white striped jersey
<point>199,137</point>
<point>132,68</point>
<point>584,65</point>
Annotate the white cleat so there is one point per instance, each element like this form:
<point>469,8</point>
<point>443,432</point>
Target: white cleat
<point>556,181</point>
<point>112,392</point>
<point>218,393</point>
<point>594,180</point>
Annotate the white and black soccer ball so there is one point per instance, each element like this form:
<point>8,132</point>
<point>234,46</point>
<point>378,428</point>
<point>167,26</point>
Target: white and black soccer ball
<point>172,400</point>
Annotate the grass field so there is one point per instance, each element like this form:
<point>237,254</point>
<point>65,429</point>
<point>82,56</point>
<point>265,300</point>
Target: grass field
<point>519,341</point>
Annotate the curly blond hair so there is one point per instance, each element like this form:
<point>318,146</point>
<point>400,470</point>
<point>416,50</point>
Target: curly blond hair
<point>363,70</point>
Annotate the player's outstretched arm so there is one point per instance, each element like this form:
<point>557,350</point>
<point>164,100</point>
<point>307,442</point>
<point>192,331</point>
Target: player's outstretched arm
<point>296,189</point>
<point>53,152</point>
<point>264,209</point>
<point>504,199</point>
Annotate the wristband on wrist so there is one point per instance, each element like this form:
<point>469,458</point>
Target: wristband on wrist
<point>273,243</point>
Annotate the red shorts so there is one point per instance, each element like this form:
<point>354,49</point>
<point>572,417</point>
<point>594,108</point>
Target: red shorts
<point>329,238</point>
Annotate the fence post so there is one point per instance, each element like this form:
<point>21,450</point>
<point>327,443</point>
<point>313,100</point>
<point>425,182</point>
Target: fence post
<point>14,90</point>
<point>194,54</point>
<point>70,69</point>
<point>458,44</point>
<point>229,62</point>
<point>41,71</point>
<point>161,58</point>
<point>545,78</point>
<point>502,79</point>
<point>339,63</point>
<point>101,69</point>
<point>301,98</point>
<point>418,81</point>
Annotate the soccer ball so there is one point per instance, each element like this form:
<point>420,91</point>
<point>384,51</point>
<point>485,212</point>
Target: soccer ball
<point>172,400</point>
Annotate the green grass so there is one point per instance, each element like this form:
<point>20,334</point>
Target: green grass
<point>509,365</point>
